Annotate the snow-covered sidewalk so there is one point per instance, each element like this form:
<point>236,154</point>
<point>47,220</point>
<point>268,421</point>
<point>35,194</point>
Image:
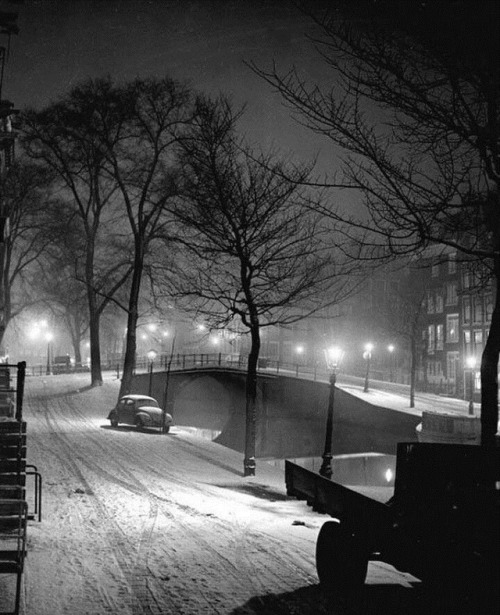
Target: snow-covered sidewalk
<point>139,523</point>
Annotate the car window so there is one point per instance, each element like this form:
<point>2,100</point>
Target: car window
<point>147,402</point>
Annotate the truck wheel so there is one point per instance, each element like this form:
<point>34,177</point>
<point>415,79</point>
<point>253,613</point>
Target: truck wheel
<point>341,559</point>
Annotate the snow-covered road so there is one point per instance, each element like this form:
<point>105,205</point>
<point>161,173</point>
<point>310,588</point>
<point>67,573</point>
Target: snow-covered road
<point>143,523</point>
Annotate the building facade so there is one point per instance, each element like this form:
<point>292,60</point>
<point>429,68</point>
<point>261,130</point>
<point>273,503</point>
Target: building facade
<point>459,307</point>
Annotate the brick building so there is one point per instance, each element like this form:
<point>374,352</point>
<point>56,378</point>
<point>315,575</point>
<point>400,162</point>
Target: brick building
<point>456,321</point>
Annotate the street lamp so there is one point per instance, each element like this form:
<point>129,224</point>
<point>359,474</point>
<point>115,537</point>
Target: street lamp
<point>48,337</point>
<point>471,365</point>
<point>333,358</point>
<point>367,356</point>
<point>151,357</point>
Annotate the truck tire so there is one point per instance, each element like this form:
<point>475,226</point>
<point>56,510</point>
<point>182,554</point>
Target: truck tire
<point>341,559</point>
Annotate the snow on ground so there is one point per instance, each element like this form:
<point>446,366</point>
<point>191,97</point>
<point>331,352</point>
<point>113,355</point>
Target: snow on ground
<point>142,523</point>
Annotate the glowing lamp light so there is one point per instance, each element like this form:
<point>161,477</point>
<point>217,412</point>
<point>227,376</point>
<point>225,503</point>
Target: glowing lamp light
<point>34,332</point>
<point>299,349</point>
<point>470,362</point>
<point>334,356</point>
<point>152,355</point>
<point>389,475</point>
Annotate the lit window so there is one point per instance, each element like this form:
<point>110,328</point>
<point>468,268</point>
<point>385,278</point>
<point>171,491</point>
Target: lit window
<point>478,343</point>
<point>439,337</point>
<point>478,309</point>
<point>431,337</point>
<point>489,307</point>
<point>466,279</point>
<point>467,309</point>
<point>452,328</point>
<point>451,293</point>
<point>430,304</point>
<point>451,365</point>
<point>467,343</point>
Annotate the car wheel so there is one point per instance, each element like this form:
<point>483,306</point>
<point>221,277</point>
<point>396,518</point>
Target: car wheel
<point>341,560</point>
<point>166,428</point>
<point>138,423</point>
<point>114,421</point>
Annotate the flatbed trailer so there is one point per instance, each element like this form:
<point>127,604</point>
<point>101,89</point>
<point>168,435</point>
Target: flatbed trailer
<point>442,524</point>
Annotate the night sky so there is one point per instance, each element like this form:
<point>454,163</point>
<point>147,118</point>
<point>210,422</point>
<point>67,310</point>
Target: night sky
<point>204,42</point>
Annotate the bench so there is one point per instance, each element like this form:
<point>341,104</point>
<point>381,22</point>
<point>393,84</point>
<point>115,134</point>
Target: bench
<point>13,466</point>
<point>13,527</point>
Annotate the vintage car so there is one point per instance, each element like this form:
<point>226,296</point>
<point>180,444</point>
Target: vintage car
<point>141,411</point>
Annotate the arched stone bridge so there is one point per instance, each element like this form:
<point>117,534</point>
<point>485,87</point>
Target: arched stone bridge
<point>291,412</point>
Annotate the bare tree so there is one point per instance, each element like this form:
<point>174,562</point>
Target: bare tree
<point>24,235</point>
<point>142,164</point>
<point>64,294</point>
<point>253,249</point>
<point>62,137</point>
<point>404,317</point>
<point>413,104</point>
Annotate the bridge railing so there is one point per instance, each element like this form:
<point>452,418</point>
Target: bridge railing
<point>201,360</point>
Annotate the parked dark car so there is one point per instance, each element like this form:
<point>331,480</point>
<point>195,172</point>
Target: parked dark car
<point>139,410</point>
<point>62,365</point>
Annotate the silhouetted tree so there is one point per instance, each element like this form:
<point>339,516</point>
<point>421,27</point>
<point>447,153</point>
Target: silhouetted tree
<point>62,137</point>
<point>413,104</point>
<point>253,249</point>
<point>142,164</point>
<point>24,235</point>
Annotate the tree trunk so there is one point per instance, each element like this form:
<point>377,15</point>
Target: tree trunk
<point>251,400</point>
<point>95,347</point>
<point>133,314</point>
<point>489,372</point>
<point>130,353</point>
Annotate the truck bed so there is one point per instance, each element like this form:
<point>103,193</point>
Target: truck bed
<point>340,502</point>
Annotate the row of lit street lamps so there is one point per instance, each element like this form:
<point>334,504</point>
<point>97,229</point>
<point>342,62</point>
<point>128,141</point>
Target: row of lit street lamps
<point>333,357</point>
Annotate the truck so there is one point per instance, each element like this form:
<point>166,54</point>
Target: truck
<point>441,525</point>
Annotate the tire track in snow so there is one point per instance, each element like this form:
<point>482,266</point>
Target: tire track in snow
<point>117,544</point>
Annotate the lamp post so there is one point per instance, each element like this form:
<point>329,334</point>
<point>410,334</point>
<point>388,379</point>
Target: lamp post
<point>333,358</point>
<point>299,351</point>
<point>151,357</point>
<point>49,337</point>
<point>471,365</point>
<point>367,356</point>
